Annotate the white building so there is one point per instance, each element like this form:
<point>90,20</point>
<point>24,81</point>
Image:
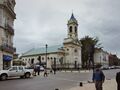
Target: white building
<point>68,53</point>
<point>101,57</point>
<point>7,16</point>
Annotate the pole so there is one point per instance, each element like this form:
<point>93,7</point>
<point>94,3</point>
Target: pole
<point>46,54</point>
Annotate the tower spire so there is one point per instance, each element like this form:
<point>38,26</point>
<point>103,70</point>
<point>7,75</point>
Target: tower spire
<point>72,27</point>
<point>72,17</point>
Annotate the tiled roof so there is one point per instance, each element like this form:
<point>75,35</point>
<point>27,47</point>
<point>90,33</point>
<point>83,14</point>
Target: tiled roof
<point>35,51</point>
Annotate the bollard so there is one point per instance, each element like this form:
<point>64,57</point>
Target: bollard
<point>56,89</point>
<point>81,84</point>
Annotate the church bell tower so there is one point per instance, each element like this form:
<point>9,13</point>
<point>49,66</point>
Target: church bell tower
<point>72,45</point>
<point>72,28</point>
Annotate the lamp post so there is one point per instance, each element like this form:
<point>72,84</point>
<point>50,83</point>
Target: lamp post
<point>46,54</point>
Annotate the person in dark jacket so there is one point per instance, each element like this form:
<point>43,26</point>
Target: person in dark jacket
<point>118,80</point>
<point>35,70</point>
<point>98,78</point>
<point>38,70</point>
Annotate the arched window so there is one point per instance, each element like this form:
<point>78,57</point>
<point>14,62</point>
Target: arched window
<point>75,29</point>
<point>42,58</point>
<point>32,60</point>
<point>70,29</point>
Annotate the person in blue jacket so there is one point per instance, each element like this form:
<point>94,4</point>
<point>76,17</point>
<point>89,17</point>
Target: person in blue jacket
<point>98,78</point>
<point>118,80</point>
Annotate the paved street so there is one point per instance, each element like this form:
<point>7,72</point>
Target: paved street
<point>62,80</point>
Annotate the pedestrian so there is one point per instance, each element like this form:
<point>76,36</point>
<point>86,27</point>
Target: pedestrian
<point>118,80</point>
<point>35,70</point>
<point>98,78</point>
<point>54,69</point>
<point>38,69</point>
<point>51,70</point>
<point>45,73</point>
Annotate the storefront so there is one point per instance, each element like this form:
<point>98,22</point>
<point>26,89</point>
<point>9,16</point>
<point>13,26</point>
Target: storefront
<point>6,61</point>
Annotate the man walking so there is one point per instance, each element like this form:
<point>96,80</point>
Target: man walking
<point>98,78</point>
<point>118,80</point>
<point>38,69</point>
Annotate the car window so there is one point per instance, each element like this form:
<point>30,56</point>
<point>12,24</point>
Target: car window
<point>20,68</point>
<point>13,68</point>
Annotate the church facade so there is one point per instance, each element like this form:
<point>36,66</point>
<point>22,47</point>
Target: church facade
<point>67,54</point>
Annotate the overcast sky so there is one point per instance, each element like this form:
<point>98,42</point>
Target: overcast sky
<point>45,21</point>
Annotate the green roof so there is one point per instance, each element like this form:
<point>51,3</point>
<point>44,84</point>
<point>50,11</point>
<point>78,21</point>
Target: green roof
<point>42,50</point>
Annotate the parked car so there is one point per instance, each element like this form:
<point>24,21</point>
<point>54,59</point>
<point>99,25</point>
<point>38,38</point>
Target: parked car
<point>111,67</point>
<point>105,67</point>
<point>117,67</point>
<point>16,71</point>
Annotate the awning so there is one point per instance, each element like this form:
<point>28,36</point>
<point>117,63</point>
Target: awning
<point>7,58</point>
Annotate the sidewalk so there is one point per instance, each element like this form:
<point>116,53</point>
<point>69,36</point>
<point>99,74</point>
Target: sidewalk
<point>108,85</point>
<point>80,71</point>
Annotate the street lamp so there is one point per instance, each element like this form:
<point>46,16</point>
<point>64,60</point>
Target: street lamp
<point>46,54</point>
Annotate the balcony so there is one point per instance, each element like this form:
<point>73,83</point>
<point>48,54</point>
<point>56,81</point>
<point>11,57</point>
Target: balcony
<point>10,8</point>
<point>10,29</point>
<point>7,48</point>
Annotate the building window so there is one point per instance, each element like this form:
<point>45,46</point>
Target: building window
<point>51,58</point>
<point>32,61</point>
<point>54,58</point>
<point>75,50</point>
<point>42,58</point>
<point>70,29</point>
<point>67,49</point>
<point>48,58</point>
<point>75,29</point>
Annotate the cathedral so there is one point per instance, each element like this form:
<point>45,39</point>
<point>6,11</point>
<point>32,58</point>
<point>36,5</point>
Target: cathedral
<point>68,54</point>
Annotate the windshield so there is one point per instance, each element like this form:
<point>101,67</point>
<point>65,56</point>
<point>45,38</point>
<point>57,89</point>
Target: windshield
<point>7,68</point>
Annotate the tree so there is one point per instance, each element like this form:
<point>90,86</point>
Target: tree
<point>88,46</point>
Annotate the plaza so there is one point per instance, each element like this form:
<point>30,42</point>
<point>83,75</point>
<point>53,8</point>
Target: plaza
<point>61,80</point>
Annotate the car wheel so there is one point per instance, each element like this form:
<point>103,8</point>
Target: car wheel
<point>27,75</point>
<point>3,77</point>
